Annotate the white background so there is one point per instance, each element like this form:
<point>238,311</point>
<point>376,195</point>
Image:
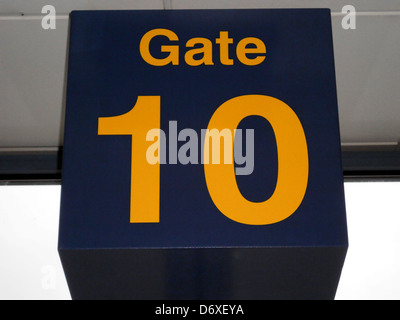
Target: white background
<point>372,267</point>
<point>30,267</point>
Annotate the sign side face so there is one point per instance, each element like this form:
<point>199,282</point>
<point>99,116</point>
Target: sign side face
<point>143,88</point>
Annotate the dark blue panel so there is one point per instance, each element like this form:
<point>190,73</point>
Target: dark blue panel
<point>107,74</point>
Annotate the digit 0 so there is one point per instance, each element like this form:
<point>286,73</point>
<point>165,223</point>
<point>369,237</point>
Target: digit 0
<point>292,162</point>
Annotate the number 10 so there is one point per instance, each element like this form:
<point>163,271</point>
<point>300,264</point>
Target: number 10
<point>293,164</point>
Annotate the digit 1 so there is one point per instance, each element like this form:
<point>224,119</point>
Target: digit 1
<point>145,177</point>
<point>293,163</point>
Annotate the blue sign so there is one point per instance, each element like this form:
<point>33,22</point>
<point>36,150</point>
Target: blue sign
<point>211,129</point>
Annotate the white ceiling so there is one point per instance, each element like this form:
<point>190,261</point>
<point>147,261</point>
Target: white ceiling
<point>32,65</point>
<point>65,7</point>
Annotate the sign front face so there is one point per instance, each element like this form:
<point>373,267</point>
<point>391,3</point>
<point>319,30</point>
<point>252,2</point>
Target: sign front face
<point>212,128</point>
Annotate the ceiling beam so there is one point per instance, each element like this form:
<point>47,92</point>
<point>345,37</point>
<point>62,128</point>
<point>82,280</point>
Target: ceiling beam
<point>44,166</point>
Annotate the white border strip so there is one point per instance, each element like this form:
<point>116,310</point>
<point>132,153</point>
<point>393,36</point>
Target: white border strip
<point>369,144</point>
<point>168,6</point>
<point>28,149</point>
<point>369,14</point>
<point>28,17</point>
